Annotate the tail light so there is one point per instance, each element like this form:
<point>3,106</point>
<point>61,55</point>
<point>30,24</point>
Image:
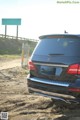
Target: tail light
<point>31,66</point>
<point>74,69</point>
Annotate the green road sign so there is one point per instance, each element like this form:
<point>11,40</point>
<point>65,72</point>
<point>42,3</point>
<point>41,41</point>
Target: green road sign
<point>11,21</point>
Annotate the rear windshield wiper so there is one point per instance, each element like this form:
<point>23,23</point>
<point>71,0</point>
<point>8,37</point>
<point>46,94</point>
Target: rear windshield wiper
<point>56,54</point>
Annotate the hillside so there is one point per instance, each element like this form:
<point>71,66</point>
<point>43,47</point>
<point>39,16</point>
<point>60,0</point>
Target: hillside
<point>13,46</point>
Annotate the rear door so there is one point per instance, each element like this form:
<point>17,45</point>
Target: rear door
<point>53,55</point>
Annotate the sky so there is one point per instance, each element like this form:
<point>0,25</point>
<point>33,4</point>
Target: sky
<point>40,17</point>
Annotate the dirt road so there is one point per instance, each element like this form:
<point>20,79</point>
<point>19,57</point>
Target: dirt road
<point>10,64</point>
<point>20,105</point>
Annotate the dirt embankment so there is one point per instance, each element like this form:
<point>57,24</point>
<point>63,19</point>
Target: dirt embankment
<point>20,105</point>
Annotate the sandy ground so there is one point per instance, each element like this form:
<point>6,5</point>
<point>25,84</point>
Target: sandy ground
<point>20,105</point>
<point>10,64</point>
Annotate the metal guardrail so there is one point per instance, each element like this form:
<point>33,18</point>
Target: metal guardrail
<point>19,38</point>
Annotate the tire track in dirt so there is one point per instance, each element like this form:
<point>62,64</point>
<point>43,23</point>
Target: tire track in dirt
<point>20,105</point>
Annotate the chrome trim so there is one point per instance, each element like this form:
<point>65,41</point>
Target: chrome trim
<point>52,94</point>
<point>50,82</point>
<point>46,64</point>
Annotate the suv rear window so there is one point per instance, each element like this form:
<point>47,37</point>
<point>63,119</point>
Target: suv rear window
<point>59,46</point>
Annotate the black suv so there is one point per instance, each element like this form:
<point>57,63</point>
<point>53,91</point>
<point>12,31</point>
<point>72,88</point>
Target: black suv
<point>55,67</point>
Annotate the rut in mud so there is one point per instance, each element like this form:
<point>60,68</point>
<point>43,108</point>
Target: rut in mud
<point>20,105</point>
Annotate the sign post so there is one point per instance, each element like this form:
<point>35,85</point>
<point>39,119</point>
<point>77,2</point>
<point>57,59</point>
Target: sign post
<point>11,21</point>
<point>5,30</point>
<point>17,32</point>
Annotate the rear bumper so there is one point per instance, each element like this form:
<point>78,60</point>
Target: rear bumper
<point>49,88</point>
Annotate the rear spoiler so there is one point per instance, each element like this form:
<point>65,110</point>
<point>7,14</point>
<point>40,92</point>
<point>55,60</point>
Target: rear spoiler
<point>59,36</point>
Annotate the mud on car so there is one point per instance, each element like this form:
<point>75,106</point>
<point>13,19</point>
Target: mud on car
<point>55,67</point>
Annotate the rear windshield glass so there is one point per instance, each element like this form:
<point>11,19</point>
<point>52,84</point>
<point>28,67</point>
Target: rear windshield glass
<point>59,46</point>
